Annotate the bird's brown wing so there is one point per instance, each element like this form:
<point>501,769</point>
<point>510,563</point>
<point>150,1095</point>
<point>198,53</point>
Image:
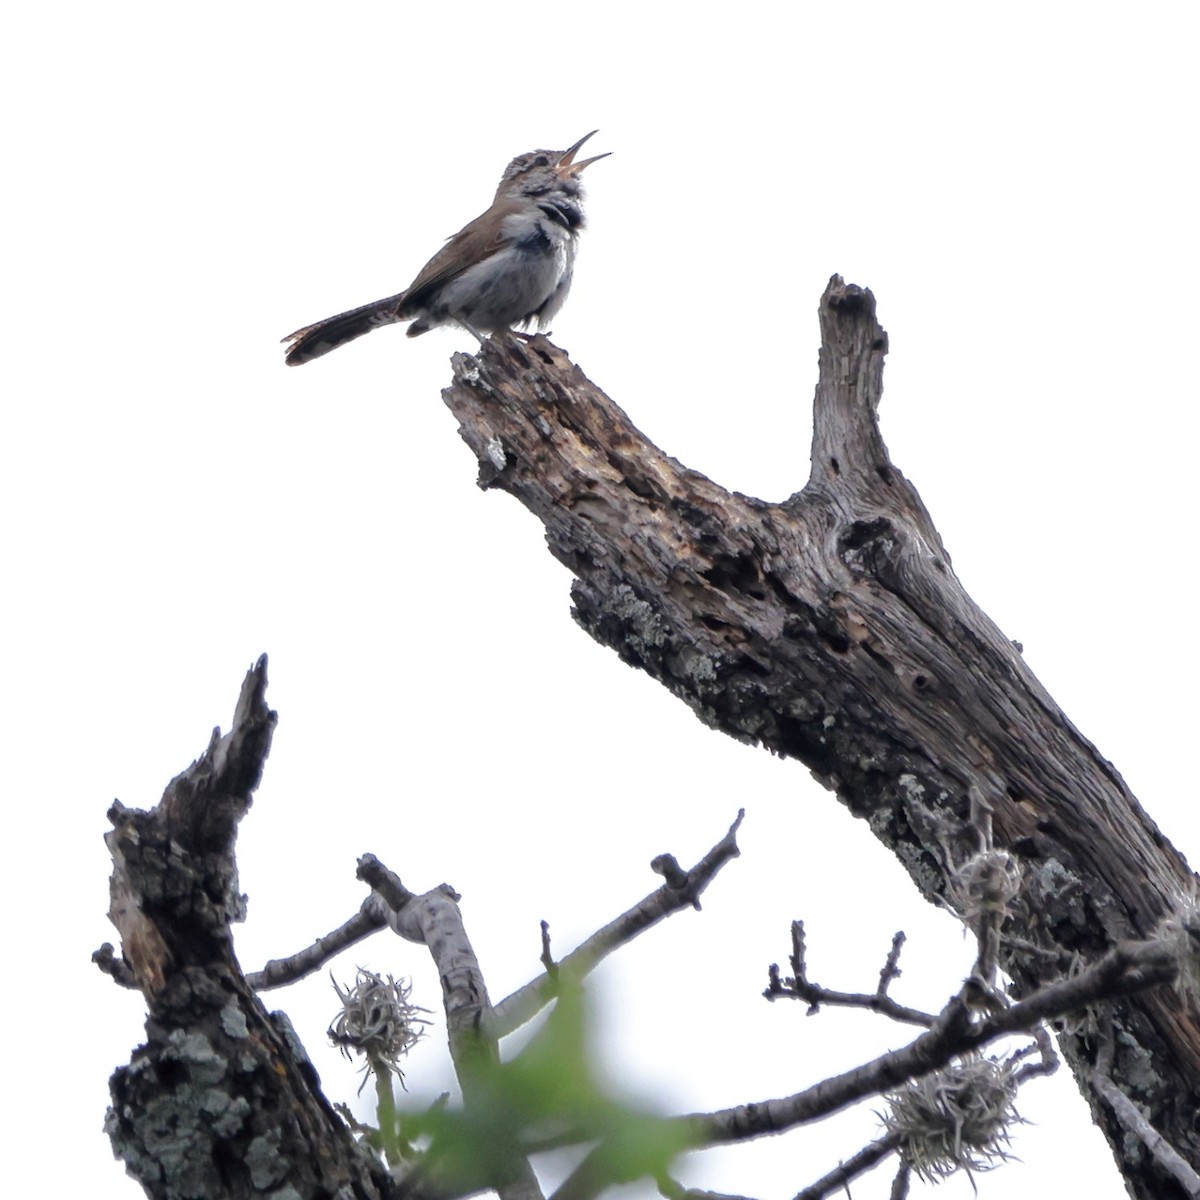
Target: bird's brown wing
<point>470,245</point>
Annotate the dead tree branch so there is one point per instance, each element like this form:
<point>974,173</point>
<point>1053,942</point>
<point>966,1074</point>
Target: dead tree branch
<point>243,1104</point>
<point>798,986</point>
<point>279,972</point>
<point>221,1100</point>
<point>958,1030</point>
<point>830,627</point>
<point>682,890</point>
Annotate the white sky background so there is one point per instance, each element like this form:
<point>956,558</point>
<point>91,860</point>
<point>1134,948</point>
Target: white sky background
<point>188,184</point>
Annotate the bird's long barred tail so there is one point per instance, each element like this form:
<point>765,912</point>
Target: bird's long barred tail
<point>314,340</point>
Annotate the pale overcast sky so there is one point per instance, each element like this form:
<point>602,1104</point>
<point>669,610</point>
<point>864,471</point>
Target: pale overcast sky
<point>187,184</point>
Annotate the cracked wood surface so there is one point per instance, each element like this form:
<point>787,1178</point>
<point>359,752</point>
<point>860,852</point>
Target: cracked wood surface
<point>831,628</point>
<point>221,1100</point>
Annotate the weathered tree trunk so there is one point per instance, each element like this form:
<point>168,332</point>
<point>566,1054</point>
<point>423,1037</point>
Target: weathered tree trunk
<point>221,1100</point>
<point>831,628</point>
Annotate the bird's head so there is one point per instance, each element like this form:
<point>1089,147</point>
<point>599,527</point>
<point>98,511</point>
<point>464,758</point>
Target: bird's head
<point>541,171</point>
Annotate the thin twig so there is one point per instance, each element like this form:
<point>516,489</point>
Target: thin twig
<point>673,1190</point>
<point>547,958</point>
<point>1124,1109</point>
<point>858,1164</point>
<point>891,967</point>
<point>386,883</point>
<point>799,987</point>
<point>279,972</point>
<point>526,1002</point>
<point>960,1027</point>
<point>1048,1062</point>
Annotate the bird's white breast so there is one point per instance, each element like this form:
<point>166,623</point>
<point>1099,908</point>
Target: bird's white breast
<point>520,278</point>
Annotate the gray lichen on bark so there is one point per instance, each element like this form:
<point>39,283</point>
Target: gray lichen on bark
<point>831,628</point>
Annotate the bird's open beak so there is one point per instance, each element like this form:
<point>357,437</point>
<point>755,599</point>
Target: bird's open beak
<point>567,165</point>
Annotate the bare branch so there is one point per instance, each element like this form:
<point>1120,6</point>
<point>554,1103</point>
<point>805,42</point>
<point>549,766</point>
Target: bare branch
<point>858,1164</point>
<point>974,1018</point>
<point>799,987</point>
<point>1164,1153</point>
<point>901,1182</point>
<point>526,1002</point>
<point>389,896</point>
<point>217,1070</point>
<point>1044,1045</point>
<point>673,1190</point>
<point>1127,1113</point>
<point>435,920</point>
<point>1128,968</point>
<point>830,627</point>
<point>891,966</point>
<point>279,972</point>
<point>547,958</point>
<point>387,883</point>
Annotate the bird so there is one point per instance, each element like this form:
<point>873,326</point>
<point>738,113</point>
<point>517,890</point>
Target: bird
<point>510,266</point>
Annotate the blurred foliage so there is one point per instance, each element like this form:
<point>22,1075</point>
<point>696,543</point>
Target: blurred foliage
<point>546,1097</point>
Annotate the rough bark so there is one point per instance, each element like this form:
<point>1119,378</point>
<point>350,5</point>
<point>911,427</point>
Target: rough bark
<point>831,628</point>
<point>221,1100</point>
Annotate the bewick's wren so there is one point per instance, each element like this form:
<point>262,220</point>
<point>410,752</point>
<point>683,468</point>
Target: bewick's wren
<point>510,266</point>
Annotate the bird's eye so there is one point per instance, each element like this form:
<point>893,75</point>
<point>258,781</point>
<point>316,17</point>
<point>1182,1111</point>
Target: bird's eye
<point>541,161</point>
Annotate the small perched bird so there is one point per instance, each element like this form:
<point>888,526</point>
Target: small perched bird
<point>510,266</point>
